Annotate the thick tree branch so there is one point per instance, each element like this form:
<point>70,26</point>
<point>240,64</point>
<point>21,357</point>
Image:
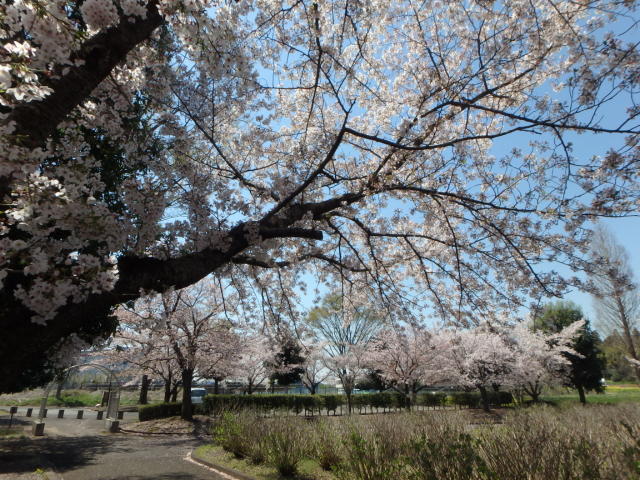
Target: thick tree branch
<point>36,121</point>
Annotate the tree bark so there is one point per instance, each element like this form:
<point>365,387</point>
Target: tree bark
<point>59,390</point>
<point>174,393</point>
<point>135,274</point>
<point>187,408</point>
<point>144,390</point>
<point>216,386</point>
<point>583,398</point>
<point>167,392</point>
<point>35,121</point>
<point>485,399</point>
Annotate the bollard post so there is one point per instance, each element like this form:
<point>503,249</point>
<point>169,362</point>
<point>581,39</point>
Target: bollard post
<point>61,413</point>
<point>112,425</point>
<point>29,412</point>
<point>80,414</point>
<point>100,414</point>
<point>12,412</point>
<point>38,429</point>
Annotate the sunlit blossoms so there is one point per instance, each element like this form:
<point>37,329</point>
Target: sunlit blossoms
<point>420,157</point>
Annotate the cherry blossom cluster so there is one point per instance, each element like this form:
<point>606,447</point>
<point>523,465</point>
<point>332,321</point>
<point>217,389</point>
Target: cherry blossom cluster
<point>410,359</point>
<point>383,127</point>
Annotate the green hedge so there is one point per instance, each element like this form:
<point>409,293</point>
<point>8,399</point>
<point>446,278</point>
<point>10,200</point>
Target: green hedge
<point>436,399</point>
<point>473,399</point>
<point>215,404</point>
<point>164,410</point>
<point>269,402</point>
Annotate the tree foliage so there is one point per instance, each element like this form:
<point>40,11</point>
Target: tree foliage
<point>146,144</point>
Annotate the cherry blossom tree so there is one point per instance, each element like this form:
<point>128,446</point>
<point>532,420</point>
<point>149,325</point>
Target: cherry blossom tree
<point>478,358</point>
<point>348,368</point>
<point>541,358</point>
<point>148,143</point>
<point>314,368</point>
<point>189,329</point>
<point>253,366</point>
<point>346,331</point>
<point>143,350</point>
<point>408,359</point>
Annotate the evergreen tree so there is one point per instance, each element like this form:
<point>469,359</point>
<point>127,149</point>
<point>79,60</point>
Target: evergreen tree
<point>287,363</point>
<point>587,369</point>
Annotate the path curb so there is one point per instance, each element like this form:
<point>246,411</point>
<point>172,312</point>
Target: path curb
<point>226,470</point>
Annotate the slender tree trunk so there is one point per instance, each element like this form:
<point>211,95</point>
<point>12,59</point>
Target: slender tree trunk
<point>583,398</point>
<point>187,409</point>
<point>413,399</point>
<point>485,399</point>
<point>167,391</point>
<point>216,386</point>
<point>144,390</point>
<point>174,393</point>
<point>59,389</point>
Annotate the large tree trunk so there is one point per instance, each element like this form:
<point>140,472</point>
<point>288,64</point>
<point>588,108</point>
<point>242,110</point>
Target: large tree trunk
<point>95,60</point>
<point>144,390</point>
<point>485,399</point>
<point>187,408</point>
<point>583,398</point>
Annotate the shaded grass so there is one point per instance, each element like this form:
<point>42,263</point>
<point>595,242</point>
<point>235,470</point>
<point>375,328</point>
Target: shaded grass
<point>307,469</point>
<point>73,398</point>
<point>11,432</point>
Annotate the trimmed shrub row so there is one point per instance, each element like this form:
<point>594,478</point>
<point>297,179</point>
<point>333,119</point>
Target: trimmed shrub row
<point>214,404</point>
<point>163,410</point>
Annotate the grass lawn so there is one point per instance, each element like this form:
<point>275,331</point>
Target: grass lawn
<point>620,393</point>
<point>16,431</point>
<point>307,469</point>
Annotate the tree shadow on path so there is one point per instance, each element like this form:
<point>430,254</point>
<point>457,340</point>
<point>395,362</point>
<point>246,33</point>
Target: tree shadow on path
<point>26,455</point>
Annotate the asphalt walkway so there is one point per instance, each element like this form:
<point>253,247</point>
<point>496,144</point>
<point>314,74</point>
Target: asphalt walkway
<point>75,449</point>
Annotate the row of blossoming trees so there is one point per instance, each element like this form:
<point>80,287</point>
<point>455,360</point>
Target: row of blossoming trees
<point>194,332</point>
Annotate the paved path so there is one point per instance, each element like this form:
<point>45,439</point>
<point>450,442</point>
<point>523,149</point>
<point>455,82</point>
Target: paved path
<point>80,450</point>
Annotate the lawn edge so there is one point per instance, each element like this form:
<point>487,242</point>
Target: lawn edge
<point>226,470</point>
